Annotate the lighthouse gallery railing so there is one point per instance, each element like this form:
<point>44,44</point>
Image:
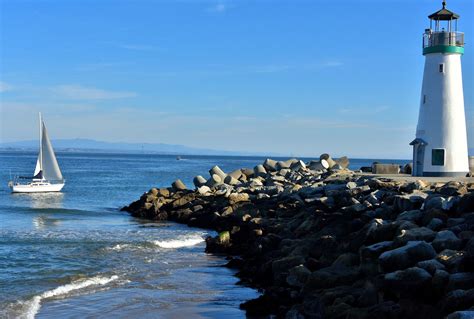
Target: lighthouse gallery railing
<point>431,39</point>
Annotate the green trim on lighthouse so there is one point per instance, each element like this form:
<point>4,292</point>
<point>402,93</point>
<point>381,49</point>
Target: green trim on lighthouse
<point>443,49</point>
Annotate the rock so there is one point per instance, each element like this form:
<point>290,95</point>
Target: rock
<point>418,233</point>
<point>229,180</point>
<point>466,203</point>
<point>458,300</point>
<point>408,168</point>
<point>259,170</point>
<point>343,162</point>
<point>451,222</point>
<point>436,202</point>
<point>224,238</point>
<point>446,239</point>
<point>270,165</point>
<point>178,185</point>
<point>452,259</point>
<point>440,281</point>
<point>431,265</point>
<point>153,191</point>
<point>214,181</point>
<point>435,224</point>
<point>247,172</point>
<point>461,280</point>
<point>467,314</point>
<point>331,277</point>
<point>216,170</point>
<point>351,185</point>
<point>321,165</point>
<point>453,189</point>
<point>406,256</point>
<point>281,267</point>
<point>237,174</point>
<point>299,165</point>
<point>238,197</point>
<point>328,159</point>
<point>199,181</point>
<point>283,165</point>
<point>411,215</point>
<point>407,202</point>
<point>298,276</point>
<point>411,281</point>
<point>204,190</point>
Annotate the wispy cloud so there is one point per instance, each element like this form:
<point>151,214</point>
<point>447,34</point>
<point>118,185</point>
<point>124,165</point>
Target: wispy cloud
<point>363,110</point>
<point>4,87</point>
<point>78,92</point>
<point>218,8</point>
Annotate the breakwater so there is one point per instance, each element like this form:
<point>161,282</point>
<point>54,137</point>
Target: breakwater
<point>322,241</point>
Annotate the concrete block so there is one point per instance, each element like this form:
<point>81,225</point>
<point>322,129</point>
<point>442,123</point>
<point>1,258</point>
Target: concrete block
<point>378,168</point>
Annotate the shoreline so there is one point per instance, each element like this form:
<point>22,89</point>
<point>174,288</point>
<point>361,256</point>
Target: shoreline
<point>330,243</point>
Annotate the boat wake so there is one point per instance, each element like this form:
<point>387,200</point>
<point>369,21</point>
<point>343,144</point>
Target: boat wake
<point>30,308</point>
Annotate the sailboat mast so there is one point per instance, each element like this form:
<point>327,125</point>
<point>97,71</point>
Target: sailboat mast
<point>40,142</point>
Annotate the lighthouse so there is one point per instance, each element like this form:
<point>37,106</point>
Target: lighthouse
<point>440,147</point>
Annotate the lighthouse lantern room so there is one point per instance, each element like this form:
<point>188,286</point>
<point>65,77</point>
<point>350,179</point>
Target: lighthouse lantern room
<point>440,147</point>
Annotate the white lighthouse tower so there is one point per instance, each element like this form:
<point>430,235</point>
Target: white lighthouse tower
<point>440,147</point>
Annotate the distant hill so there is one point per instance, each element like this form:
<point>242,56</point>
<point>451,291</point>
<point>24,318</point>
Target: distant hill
<point>76,145</point>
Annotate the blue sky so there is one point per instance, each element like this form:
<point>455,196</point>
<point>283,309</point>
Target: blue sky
<point>292,77</point>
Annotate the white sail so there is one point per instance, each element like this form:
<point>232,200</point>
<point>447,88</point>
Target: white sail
<point>49,164</point>
<point>38,167</point>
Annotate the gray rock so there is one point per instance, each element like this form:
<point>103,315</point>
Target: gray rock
<point>467,314</point>
<point>440,281</point>
<point>259,170</point>
<point>446,239</point>
<point>217,171</point>
<point>452,259</point>
<point>411,215</point>
<point>455,222</point>
<point>351,185</point>
<point>411,201</point>
<point>461,280</point>
<point>458,299</point>
<point>406,256</point>
<point>466,203</point>
<point>281,267</point>
<point>409,281</point>
<point>331,277</point>
<point>204,190</point>
<point>199,181</point>
<point>229,180</point>
<point>419,233</point>
<point>435,202</point>
<point>431,265</point>
<point>435,224</point>
<point>298,276</point>
<point>178,185</point>
<point>213,181</point>
<point>270,165</point>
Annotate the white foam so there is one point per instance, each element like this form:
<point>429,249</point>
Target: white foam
<point>33,305</point>
<point>178,243</point>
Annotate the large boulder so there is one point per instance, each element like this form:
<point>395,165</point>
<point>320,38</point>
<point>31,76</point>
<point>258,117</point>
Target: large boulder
<point>452,259</point>
<point>331,277</point>
<point>411,201</point>
<point>298,276</point>
<point>406,256</point>
<point>418,233</point>
<point>466,203</point>
<point>446,239</point>
<point>411,281</point>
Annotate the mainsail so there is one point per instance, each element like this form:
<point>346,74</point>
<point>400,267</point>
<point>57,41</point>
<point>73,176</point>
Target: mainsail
<point>47,166</point>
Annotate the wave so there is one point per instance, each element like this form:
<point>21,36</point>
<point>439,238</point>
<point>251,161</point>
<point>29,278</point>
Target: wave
<point>179,243</point>
<point>32,306</point>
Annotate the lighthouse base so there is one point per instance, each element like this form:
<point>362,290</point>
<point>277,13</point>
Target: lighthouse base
<point>445,174</point>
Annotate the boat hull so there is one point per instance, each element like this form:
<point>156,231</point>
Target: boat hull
<point>35,188</point>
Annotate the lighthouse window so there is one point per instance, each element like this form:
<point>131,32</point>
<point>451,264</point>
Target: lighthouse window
<point>441,68</point>
<point>437,157</point>
<point>424,98</point>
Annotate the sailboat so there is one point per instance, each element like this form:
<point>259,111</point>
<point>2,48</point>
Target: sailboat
<point>47,176</point>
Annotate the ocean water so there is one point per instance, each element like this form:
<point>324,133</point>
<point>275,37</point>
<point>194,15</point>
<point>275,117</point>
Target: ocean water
<point>75,255</point>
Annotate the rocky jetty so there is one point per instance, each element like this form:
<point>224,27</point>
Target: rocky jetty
<point>322,241</point>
